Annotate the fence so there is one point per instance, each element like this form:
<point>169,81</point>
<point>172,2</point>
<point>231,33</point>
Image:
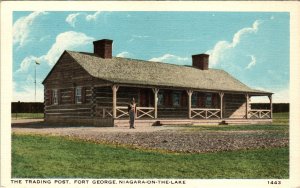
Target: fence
<point>277,107</point>
<point>27,107</point>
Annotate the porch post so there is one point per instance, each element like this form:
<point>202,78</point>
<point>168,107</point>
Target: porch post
<point>190,92</point>
<point>155,91</point>
<point>271,106</point>
<point>247,104</point>
<point>114,90</point>
<point>221,104</point>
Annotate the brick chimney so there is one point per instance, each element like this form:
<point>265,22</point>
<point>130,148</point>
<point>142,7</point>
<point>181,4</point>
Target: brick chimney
<point>200,61</point>
<point>103,48</point>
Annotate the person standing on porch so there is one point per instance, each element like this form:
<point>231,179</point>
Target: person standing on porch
<point>132,111</point>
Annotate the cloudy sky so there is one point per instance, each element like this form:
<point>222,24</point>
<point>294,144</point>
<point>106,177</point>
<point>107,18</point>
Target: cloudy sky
<point>251,46</point>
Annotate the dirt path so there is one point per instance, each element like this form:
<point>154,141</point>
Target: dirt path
<point>166,138</point>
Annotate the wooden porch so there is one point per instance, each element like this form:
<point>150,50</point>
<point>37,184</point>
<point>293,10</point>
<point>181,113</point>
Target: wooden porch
<point>174,122</point>
<point>150,112</point>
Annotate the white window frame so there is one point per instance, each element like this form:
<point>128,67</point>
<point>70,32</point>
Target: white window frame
<point>78,95</point>
<point>194,99</point>
<point>54,97</point>
<point>208,102</point>
<point>160,99</point>
<point>174,95</point>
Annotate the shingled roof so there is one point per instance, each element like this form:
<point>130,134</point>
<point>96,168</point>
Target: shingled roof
<point>139,72</point>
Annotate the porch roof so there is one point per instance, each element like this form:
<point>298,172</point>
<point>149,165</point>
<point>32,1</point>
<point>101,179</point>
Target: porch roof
<point>139,72</point>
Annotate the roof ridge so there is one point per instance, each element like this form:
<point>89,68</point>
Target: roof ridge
<point>146,61</point>
<point>157,73</point>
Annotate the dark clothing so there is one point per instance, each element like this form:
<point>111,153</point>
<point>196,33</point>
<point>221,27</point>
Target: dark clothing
<point>132,115</point>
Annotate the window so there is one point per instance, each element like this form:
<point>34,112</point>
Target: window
<point>54,97</point>
<point>160,98</point>
<point>176,99</point>
<point>194,99</point>
<point>78,96</point>
<point>208,101</point>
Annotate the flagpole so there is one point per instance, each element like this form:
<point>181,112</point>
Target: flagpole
<point>35,82</point>
<point>36,63</point>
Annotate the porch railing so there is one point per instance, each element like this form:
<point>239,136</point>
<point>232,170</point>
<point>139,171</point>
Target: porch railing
<point>205,113</point>
<point>107,112</point>
<point>259,114</point>
<point>144,111</point>
<point>122,111</point>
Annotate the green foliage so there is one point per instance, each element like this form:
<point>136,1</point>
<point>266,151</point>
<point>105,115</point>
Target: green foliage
<point>27,115</point>
<point>50,157</point>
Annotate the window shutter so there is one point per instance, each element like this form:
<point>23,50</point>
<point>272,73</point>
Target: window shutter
<point>58,96</point>
<point>151,100</point>
<point>170,98</point>
<point>47,99</point>
<point>50,96</point>
<point>72,95</point>
<point>200,100</point>
<point>183,99</point>
<point>166,98</point>
<point>215,100</point>
<point>83,93</point>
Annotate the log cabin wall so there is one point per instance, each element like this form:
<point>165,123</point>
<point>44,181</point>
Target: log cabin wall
<point>67,74</point>
<point>65,77</point>
<point>124,95</point>
<point>234,106</point>
<point>103,96</point>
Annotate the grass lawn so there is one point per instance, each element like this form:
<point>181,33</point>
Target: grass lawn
<point>27,115</point>
<point>48,157</point>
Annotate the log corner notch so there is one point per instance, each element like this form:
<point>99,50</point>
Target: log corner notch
<point>114,90</point>
<point>155,91</point>
<point>190,93</point>
<point>221,94</point>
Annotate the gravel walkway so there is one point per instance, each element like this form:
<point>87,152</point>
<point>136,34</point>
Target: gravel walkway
<point>175,139</point>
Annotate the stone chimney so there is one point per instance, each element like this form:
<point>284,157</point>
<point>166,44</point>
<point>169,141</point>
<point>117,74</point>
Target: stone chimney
<point>200,61</point>
<point>103,48</point>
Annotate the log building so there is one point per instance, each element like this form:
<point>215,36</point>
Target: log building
<point>95,89</point>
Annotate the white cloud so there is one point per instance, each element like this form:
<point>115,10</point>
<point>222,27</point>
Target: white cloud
<point>134,37</point>
<point>21,28</point>
<point>66,41</point>
<point>69,40</point>
<point>72,18</point>
<point>252,63</point>
<point>92,17</point>
<point>169,58</point>
<point>124,54</point>
<point>221,47</point>
<point>27,61</point>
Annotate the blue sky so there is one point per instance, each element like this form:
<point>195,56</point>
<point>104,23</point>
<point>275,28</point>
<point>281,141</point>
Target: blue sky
<point>251,46</point>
